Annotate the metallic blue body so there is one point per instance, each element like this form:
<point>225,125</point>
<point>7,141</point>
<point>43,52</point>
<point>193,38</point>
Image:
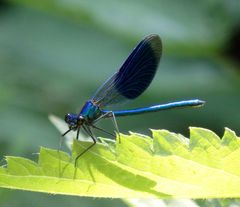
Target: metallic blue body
<point>90,111</point>
<point>129,82</point>
<point>160,107</point>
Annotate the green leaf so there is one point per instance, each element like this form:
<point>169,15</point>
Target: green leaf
<point>168,165</point>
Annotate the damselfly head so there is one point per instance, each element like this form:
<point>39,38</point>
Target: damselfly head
<point>74,121</point>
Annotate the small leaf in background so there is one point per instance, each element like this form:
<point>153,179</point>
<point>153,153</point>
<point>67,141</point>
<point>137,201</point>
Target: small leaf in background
<point>160,203</point>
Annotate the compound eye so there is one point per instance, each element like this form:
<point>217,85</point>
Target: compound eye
<point>68,118</point>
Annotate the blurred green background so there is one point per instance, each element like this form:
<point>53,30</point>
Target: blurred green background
<point>55,54</point>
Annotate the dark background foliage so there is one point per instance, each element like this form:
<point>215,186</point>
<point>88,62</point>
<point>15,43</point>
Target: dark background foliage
<point>55,54</point>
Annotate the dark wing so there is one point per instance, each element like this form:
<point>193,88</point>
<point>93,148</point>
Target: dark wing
<point>134,76</point>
